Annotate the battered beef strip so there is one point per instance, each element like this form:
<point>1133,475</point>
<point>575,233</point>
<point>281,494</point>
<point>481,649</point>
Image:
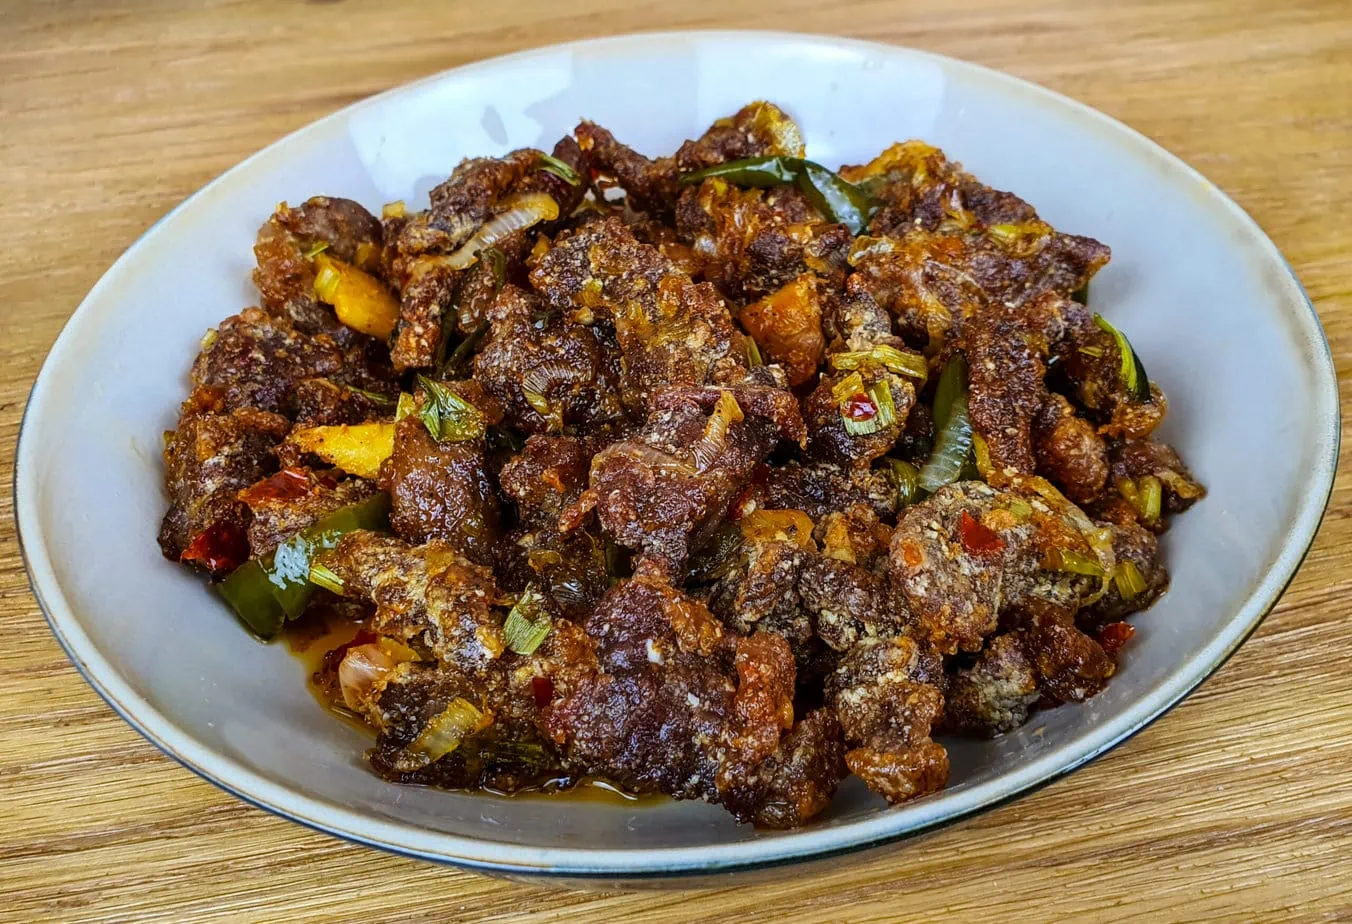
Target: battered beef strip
<point>263,361</point>
<point>922,190</point>
<point>444,489</point>
<point>887,697</point>
<point>675,705</point>
<point>670,330</point>
<point>663,491</point>
<point>215,453</point>
<point>821,488</point>
<point>285,250</point>
<point>549,372</point>
<point>427,596</point>
<point>478,190</point>
<point>294,499</point>
<point>750,242</point>
<point>653,186</point>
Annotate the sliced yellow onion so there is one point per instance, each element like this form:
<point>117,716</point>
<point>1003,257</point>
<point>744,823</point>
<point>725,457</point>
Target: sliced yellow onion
<point>361,668</point>
<point>443,734</point>
<point>521,211</point>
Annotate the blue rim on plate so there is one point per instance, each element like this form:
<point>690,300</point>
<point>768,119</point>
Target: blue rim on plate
<point>681,863</point>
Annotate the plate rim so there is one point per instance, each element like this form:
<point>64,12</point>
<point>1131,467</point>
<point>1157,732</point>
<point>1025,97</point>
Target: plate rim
<point>678,862</point>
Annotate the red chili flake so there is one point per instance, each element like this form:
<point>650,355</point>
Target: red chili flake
<point>859,406</point>
<point>288,484</point>
<point>219,548</point>
<point>978,538</point>
<point>543,688</point>
<point>1114,636</point>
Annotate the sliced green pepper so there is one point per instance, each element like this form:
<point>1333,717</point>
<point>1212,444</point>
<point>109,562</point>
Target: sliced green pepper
<point>838,199</point>
<point>953,443</point>
<point>265,593</point>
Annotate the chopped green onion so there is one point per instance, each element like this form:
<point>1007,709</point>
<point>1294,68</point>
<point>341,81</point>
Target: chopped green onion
<point>448,416</point>
<point>1093,351</point>
<point>538,402</point>
<point>884,416</point>
<point>1134,379</point>
<point>528,623</point>
<point>316,249</point>
<point>1129,580</point>
<point>1151,497</point>
<point>1075,563</point>
<point>911,365</point>
<point>324,577</point>
<point>209,338</point>
<point>953,447</point>
<point>905,476</point>
<point>443,734</point>
<point>753,353</point>
<point>265,593</point>
<point>848,387</point>
<point>327,281</point>
<point>551,164</point>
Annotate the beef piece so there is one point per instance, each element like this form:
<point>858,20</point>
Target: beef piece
<point>427,596</point>
<point>258,360</point>
<point>971,558</point>
<point>758,582</point>
<point>1069,451</point>
<point>921,189</point>
<point>1135,544</point>
<point>1136,458</point>
<point>670,331</point>
<point>821,488</point>
<point>546,476</point>
<point>675,706</point>
<point>549,372</point>
<point>885,695</point>
<point>997,692</point>
<point>797,781</point>
<point>824,412</point>
<point>294,499</point>
<point>285,275</point>
<point>1007,351</point>
<point>853,321</point>
<point>663,491</point>
<point>324,402</point>
<point>569,568</point>
<point>214,453</point>
<point>477,190</point>
<point>653,185</point>
<point>441,490</point>
<point>845,589</point>
<point>750,242</point>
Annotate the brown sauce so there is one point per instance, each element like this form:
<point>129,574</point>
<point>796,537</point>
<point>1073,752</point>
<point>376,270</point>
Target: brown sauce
<point>315,634</point>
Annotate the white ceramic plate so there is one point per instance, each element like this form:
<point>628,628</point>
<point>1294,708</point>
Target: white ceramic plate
<point>1207,299</point>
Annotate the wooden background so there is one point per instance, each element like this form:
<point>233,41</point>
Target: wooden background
<point>1238,804</point>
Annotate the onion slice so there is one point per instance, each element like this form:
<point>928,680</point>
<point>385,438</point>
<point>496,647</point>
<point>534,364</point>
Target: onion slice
<point>521,211</point>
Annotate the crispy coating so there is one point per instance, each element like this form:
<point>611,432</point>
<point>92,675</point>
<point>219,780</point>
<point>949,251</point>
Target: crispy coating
<point>214,454</point>
<point>441,490</point>
<point>292,500</point>
<point>1069,451</point>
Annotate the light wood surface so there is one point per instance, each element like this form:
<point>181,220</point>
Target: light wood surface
<point>1238,804</point>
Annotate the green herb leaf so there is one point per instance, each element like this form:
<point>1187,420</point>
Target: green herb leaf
<point>551,164</point>
<point>1134,379</point>
<point>447,416</point>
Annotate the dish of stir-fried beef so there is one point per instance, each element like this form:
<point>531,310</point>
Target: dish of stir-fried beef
<point>721,475</point>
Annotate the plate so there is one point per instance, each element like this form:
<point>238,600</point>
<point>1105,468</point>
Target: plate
<point>1221,321</point>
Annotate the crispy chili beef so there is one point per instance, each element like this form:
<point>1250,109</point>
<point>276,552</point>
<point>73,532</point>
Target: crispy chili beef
<point>718,474</point>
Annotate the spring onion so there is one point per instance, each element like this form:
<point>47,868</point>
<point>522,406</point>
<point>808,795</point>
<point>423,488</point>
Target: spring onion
<point>447,416</point>
<point>1134,379</point>
<point>1074,563</point>
<point>267,592</point>
<point>316,249</point>
<point>323,576</point>
<point>911,365</point>
<point>1151,497</point>
<point>1129,580</point>
<point>528,623</point>
<point>954,443</point>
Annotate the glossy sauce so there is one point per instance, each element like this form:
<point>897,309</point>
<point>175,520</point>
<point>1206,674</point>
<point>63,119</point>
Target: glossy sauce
<point>314,635</point>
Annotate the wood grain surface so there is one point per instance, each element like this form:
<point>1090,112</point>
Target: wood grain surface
<point>1237,805</point>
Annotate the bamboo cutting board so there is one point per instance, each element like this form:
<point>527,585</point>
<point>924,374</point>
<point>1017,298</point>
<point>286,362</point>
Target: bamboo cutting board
<point>1237,805</point>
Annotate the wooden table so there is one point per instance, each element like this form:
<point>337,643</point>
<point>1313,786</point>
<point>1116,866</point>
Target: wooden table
<point>1237,804</point>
